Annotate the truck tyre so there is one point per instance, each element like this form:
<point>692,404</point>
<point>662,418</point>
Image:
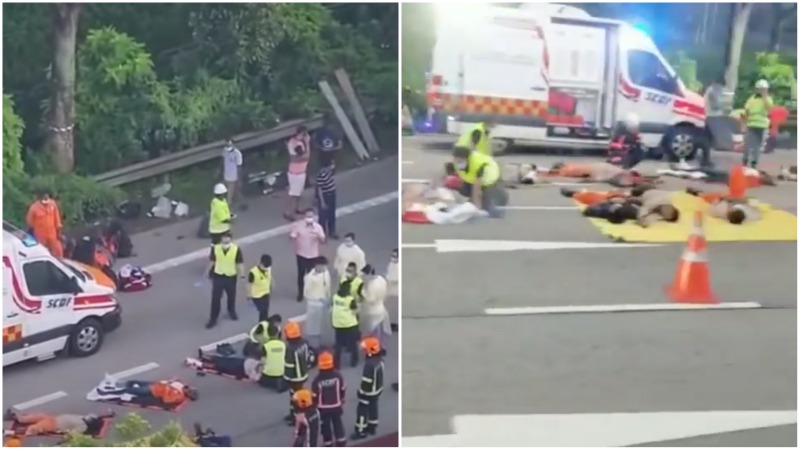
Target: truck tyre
<point>500,146</point>
<point>681,143</point>
<point>86,338</point>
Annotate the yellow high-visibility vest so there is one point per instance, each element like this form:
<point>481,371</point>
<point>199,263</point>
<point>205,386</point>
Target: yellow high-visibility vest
<point>476,161</point>
<point>218,213</point>
<point>483,146</point>
<point>355,284</point>
<point>225,261</point>
<point>276,358</point>
<point>343,316</point>
<point>262,282</point>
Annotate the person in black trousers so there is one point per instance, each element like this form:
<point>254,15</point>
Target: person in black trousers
<point>226,266</point>
<point>326,195</point>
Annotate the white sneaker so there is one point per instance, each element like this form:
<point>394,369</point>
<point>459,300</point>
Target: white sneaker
<point>193,362</point>
<point>683,165</point>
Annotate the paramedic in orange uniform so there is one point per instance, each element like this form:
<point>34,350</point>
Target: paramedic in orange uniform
<point>44,219</point>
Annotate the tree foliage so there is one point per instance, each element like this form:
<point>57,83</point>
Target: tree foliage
<point>780,75</point>
<point>133,430</point>
<point>13,127</point>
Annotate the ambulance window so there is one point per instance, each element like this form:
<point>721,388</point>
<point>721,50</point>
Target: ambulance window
<point>44,278</point>
<point>646,70</point>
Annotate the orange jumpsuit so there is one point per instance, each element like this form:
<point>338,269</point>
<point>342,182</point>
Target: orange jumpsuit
<point>591,198</point>
<point>44,218</point>
<point>39,424</point>
<point>169,392</point>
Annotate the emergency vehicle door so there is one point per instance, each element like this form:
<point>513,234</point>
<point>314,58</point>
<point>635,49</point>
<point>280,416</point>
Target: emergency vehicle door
<point>579,68</point>
<point>504,71</point>
<point>13,322</point>
<point>655,87</point>
<point>55,289</point>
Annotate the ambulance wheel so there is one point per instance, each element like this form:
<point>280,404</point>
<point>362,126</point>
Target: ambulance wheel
<point>681,143</point>
<point>501,146</point>
<point>86,338</point>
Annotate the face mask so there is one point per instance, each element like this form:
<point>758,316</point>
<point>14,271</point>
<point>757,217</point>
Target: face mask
<point>226,244</point>
<point>45,201</point>
<point>350,275</point>
<point>349,244</point>
<point>461,165</point>
<point>309,220</point>
<point>395,258</point>
<point>319,269</point>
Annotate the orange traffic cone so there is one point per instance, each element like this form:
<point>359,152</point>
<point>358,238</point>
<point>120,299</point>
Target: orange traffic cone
<point>737,183</point>
<point>692,282</point>
<point>415,217</point>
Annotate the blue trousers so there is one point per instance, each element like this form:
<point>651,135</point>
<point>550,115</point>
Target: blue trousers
<point>327,214</point>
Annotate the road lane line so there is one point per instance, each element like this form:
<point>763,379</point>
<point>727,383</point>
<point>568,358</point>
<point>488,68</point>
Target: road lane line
<point>539,208</point>
<point>40,400</point>
<point>408,162</point>
<point>541,310</point>
<point>418,246</point>
<point>267,234</point>
<point>135,371</point>
<point>414,180</point>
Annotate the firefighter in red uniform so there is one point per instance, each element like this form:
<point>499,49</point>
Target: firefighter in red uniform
<point>297,363</point>
<point>329,389</point>
<point>306,419</point>
<point>370,390</point>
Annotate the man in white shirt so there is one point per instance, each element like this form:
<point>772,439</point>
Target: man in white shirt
<point>349,252</point>
<point>231,168</point>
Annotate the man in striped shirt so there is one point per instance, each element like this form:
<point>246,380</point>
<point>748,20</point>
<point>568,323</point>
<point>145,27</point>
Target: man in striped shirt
<point>326,195</point>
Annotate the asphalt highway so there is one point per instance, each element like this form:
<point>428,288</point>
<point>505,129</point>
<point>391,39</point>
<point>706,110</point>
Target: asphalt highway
<point>165,324</point>
<point>458,360</point>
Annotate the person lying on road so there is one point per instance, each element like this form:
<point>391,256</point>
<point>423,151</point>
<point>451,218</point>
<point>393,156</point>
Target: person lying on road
<point>600,172</point>
<point>37,424</point>
<point>592,198</point>
<point>734,211</point>
<point>654,205</point>
<point>168,392</point>
<point>247,367</point>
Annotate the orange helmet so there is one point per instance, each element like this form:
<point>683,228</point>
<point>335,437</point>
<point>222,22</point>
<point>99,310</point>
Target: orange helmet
<point>303,398</point>
<point>12,442</point>
<point>371,346</point>
<point>292,330</point>
<point>325,361</point>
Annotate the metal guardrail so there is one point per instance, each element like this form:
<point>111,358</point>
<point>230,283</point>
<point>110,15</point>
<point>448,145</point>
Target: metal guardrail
<point>202,153</point>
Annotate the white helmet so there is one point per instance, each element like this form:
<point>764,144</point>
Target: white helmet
<point>220,189</point>
<point>762,84</point>
<point>632,120</point>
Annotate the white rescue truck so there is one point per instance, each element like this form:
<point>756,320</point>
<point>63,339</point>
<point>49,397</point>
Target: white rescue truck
<point>552,75</point>
<point>48,305</point>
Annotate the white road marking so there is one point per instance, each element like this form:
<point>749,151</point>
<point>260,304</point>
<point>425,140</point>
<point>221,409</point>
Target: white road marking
<point>267,234</point>
<point>415,180</point>
<point>40,400</point>
<point>540,310</point>
<point>134,371</point>
<point>479,245</point>
<point>242,336</point>
<point>419,245</point>
<point>408,162</point>
<point>596,430</point>
<point>539,208</point>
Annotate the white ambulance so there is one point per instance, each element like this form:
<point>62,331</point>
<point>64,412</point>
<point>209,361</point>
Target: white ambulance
<point>48,305</point>
<point>552,75</point>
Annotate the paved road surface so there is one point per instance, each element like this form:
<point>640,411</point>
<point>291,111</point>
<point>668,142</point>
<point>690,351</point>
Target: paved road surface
<point>457,360</point>
<point>166,323</point>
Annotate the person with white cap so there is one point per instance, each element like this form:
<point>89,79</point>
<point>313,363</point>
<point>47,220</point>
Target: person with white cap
<point>756,120</point>
<point>219,214</point>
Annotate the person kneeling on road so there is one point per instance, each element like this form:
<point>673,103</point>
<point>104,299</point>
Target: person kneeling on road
<point>305,420</point>
<point>297,364</point>
<point>329,391</point>
<point>209,438</point>
<point>735,211</point>
<point>274,364</point>
<point>37,424</point>
<point>370,390</point>
<point>481,181</point>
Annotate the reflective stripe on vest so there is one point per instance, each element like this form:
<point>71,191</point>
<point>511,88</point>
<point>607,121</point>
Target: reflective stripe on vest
<point>491,171</point>
<point>276,356</point>
<point>264,336</point>
<point>355,284</point>
<point>483,146</point>
<point>262,282</point>
<point>225,261</point>
<point>757,112</point>
<point>218,212</point>
<point>343,316</point>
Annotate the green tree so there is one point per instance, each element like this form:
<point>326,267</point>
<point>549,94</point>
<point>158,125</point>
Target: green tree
<point>780,75</point>
<point>13,126</point>
<point>133,430</point>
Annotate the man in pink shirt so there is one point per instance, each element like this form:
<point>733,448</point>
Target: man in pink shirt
<point>299,147</point>
<point>307,236</point>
